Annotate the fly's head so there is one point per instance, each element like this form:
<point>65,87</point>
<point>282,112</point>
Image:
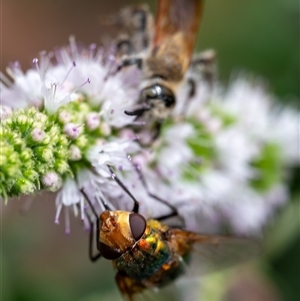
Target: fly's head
<point>119,232</point>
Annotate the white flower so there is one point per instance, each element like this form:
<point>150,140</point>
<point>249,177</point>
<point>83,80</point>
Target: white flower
<point>175,152</point>
<point>206,163</point>
<point>286,132</point>
<point>235,152</point>
<point>24,92</point>
<point>69,197</point>
<point>113,154</point>
<point>229,135</point>
<point>75,72</point>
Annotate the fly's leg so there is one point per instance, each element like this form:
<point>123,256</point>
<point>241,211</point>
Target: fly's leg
<point>138,112</point>
<point>125,63</point>
<point>136,205</point>
<point>93,257</point>
<point>130,62</point>
<point>157,130</point>
<point>192,87</point>
<point>205,63</point>
<point>173,212</point>
<point>124,46</point>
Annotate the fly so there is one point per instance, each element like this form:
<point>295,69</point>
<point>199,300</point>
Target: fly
<point>148,254</point>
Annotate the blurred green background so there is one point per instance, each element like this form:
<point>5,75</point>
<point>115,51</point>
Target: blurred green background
<point>38,261</point>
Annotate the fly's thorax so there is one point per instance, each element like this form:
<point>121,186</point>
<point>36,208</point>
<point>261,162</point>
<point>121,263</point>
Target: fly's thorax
<point>150,254</point>
<point>155,224</point>
<point>119,231</point>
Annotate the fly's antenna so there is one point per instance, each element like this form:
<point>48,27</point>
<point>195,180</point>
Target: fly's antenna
<point>136,205</point>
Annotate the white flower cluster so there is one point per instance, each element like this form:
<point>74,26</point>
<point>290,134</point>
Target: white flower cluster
<point>77,74</point>
<point>225,162</point>
<point>219,160</point>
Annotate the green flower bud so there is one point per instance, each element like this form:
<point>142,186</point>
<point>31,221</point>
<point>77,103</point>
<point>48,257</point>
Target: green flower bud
<point>26,154</point>
<point>62,166</point>
<point>24,186</point>
<point>44,153</point>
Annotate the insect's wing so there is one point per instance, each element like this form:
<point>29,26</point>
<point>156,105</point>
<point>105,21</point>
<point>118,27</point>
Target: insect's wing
<point>211,253</point>
<point>174,16</point>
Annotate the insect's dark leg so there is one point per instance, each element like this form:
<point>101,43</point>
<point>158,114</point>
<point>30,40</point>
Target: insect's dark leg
<point>205,62</point>
<point>192,89</point>
<point>126,63</point>
<point>173,212</point>
<point>136,203</point>
<point>124,46</point>
<point>93,257</point>
<point>157,130</point>
<point>191,93</point>
<point>129,62</point>
<point>137,112</point>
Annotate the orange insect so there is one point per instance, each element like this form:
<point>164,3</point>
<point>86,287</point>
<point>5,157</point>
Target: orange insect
<point>168,57</point>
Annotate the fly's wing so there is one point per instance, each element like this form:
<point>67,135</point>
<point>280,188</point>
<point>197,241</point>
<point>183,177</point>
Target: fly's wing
<point>201,254</point>
<point>210,253</point>
<point>178,16</point>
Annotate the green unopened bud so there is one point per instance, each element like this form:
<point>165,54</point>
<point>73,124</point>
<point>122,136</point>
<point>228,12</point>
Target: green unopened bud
<point>38,124</point>
<point>13,158</point>
<point>82,141</point>
<point>74,153</point>
<point>41,117</point>
<point>63,141</point>
<point>22,119</point>
<point>12,170</point>
<point>44,153</point>
<point>31,175</point>
<point>64,117</point>
<point>62,166</point>
<point>26,155</point>
<point>2,160</point>
<point>24,186</point>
